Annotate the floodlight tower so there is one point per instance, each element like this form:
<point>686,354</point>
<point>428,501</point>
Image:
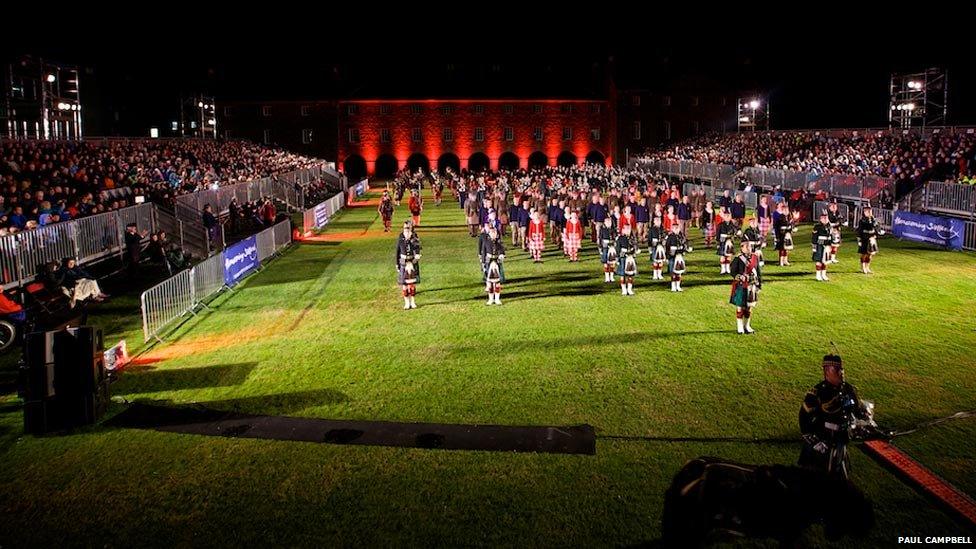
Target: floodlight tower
<point>198,117</point>
<point>918,99</point>
<point>42,100</point>
<point>752,113</point>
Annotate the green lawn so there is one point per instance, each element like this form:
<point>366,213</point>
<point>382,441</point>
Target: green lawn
<point>321,333</point>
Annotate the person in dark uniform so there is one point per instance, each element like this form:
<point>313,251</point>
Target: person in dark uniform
<point>608,251</point>
<point>212,224</point>
<point>755,238</point>
<point>407,260</point>
<point>820,241</point>
<point>783,227</point>
<point>385,210</point>
<point>835,220</point>
<point>726,232</point>
<point>656,248</point>
<point>737,209</point>
<point>746,283</point>
<point>493,255</point>
<point>826,416</point>
<point>868,231</point>
<point>627,250</point>
<point>676,246</point>
<point>133,247</point>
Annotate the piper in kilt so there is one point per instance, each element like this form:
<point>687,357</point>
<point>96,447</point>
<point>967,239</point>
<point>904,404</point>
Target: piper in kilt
<point>707,223</point>
<point>783,227</point>
<point>765,215</point>
<point>415,205</point>
<point>726,232</point>
<point>536,236</point>
<point>494,271</point>
<point>677,246</point>
<point>868,231</point>
<point>627,251</point>
<point>656,248</point>
<point>835,223</point>
<point>755,238</point>
<point>385,210</point>
<point>608,251</point>
<point>746,283</point>
<point>407,260</point>
<point>820,241</point>
<point>573,236</point>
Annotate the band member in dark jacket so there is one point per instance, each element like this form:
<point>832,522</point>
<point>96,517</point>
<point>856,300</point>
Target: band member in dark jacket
<point>820,242</point>
<point>828,411</point>
<point>835,220</point>
<point>755,238</point>
<point>606,239</point>
<point>656,248</point>
<point>407,260</point>
<point>746,283</point>
<point>627,250</point>
<point>868,231</point>
<point>677,246</point>
<point>784,223</point>
<point>726,232</point>
<point>385,210</point>
<point>494,272</point>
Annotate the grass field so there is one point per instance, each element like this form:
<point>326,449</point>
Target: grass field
<point>321,333</point>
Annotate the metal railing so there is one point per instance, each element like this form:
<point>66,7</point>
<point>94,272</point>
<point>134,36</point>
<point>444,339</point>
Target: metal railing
<point>181,294</point>
<point>819,206</point>
<point>319,215</point>
<point>956,199</point>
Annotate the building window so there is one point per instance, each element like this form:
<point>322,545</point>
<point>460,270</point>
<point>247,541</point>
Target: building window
<point>353,135</point>
<point>537,133</point>
<point>447,109</point>
<point>228,111</point>
<point>479,109</point>
<point>667,130</point>
<point>595,134</point>
<point>567,134</point>
<point>694,100</point>
<point>508,109</point>
<point>306,110</point>
<point>566,108</point>
<point>416,109</point>
<point>637,129</point>
<point>479,134</point>
<point>537,109</point>
<point>448,135</point>
<point>306,136</point>
<point>595,108</point>
<point>385,109</point>
<point>384,135</point>
<point>352,109</point>
<point>266,110</point>
<point>509,134</point>
<point>635,100</point>
<point>416,135</point>
<point>666,100</point>
<point>267,137</point>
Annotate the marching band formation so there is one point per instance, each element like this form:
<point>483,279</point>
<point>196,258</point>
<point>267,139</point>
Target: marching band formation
<point>625,213</point>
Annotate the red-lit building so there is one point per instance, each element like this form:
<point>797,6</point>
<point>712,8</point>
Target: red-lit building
<point>379,137</point>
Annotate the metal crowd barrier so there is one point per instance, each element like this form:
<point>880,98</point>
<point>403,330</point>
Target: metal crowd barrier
<point>821,206</point>
<point>181,294</point>
<point>317,216</point>
<point>950,198</point>
<point>969,236</point>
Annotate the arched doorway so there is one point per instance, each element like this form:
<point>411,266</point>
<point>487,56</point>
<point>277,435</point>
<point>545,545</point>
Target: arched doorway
<point>449,160</point>
<point>418,161</point>
<point>538,159</point>
<point>355,167</point>
<point>508,161</point>
<point>566,158</point>
<point>478,162</point>
<point>596,157</point>
<point>386,166</point>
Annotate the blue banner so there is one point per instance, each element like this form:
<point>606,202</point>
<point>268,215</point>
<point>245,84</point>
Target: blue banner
<point>361,187</point>
<point>240,259</point>
<point>322,214</point>
<point>931,229</point>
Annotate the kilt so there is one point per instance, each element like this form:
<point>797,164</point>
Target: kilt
<point>660,256</point>
<point>725,248</point>
<point>740,295</point>
<point>867,246</point>
<point>627,266</point>
<point>412,278</point>
<point>677,264</point>
<point>571,242</point>
<point>835,237</point>
<point>709,230</point>
<point>609,254</point>
<point>764,225</point>
<point>495,272</point>
<point>819,251</point>
<point>537,243</point>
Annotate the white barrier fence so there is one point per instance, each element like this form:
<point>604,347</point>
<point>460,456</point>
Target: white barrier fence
<point>318,216</point>
<point>180,295</point>
<point>23,254</point>
<point>955,199</point>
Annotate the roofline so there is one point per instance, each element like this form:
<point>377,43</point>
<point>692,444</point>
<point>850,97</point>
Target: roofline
<point>469,100</point>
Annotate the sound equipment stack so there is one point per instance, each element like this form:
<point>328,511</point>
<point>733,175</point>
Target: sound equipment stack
<point>66,381</point>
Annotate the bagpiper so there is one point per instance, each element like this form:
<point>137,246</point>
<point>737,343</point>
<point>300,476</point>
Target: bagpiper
<point>755,238</point>
<point>572,236</point>
<point>726,233</point>
<point>385,210</point>
<point>868,230</point>
<point>746,283</point>
<point>656,248</point>
<point>835,220</point>
<point>820,241</point>
<point>707,223</point>
<point>677,246</point>
<point>494,272</point>
<point>536,236</point>
<point>407,260</point>
<point>783,227</point>
<point>627,250</point>
<point>438,188</point>
<point>608,251</point>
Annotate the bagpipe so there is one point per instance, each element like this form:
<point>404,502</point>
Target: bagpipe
<point>788,239</point>
<point>727,248</point>
<point>410,268</point>
<point>493,272</point>
<point>660,255</point>
<point>835,235</point>
<point>630,262</point>
<point>611,252</point>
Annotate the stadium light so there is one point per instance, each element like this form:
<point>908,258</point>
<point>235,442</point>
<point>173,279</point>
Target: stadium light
<point>754,104</point>
<point>154,133</point>
<point>744,119</point>
<point>200,104</point>
<point>212,122</point>
<point>51,78</point>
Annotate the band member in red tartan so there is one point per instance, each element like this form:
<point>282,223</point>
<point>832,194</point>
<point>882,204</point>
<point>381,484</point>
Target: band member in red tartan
<point>438,187</point>
<point>746,283</point>
<point>573,237</point>
<point>765,216</point>
<point>627,218</point>
<point>536,236</point>
<point>416,205</point>
<point>385,210</point>
<point>407,260</point>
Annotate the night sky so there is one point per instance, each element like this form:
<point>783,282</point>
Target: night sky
<point>826,75</point>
